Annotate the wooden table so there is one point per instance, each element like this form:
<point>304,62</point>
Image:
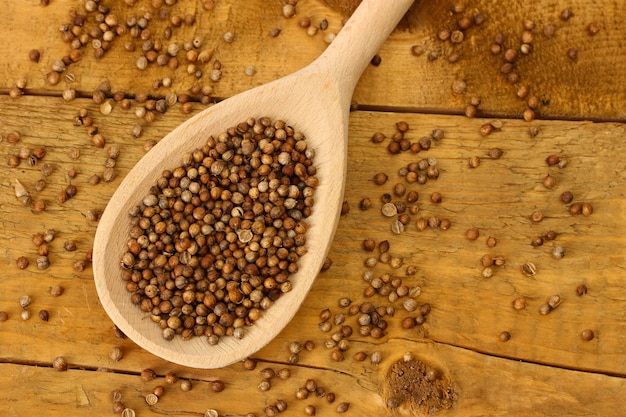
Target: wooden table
<point>545,368</point>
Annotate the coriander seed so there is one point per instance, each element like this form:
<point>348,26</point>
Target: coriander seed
<point>4,316</point>
<point>44,315</point>
<point>217,385</point>
<point>116,354</point>
<point>148,375</point>
<point>472,233</point>
<point>587,335</point>
<point>22,262</point>
<point>151,399</point>
<point>581,290</point>
<point>59,364</point>
<point>505,336</point>
<point>185,385</point>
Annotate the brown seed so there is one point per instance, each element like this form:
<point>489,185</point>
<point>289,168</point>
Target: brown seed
<point>495,153</point>
<point>536,216</point>
<point>587,335</point>
<point>116,354</point>
<point>572,54</point>
<point>472,233</point>
<point>566,14</point>
<point>343,407</point>
<point>519,303</point>
<point>581,290</point>
<point>593,28</point>
<point>159,391</point>
<point>474,162</point>
<point>380,178</point>
<point>369,244</point>
<point>217,386</point>
<point>171,378</point>
<point>34,55</point>
<point>148,375</point>
<point>378,137</point>
<point>491,242</point>
<point>365,203</point>
<point>435,197</point>
<point>505,336</point>
<point>59,364</point>
<point>309,410</point>
<point>575,209</point>
<point>345,208</point>
<point>586,209</point>
<point>567,197</point>
<point>56,290</point>
<point>545,309</point>
<point>553,160</point>
<point>548,181</point>
<point>44,315</point>
<point>22,262</point>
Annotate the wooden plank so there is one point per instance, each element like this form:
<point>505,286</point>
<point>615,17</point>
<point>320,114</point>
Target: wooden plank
<point>467,310</point>
<point>587,88</point>
<point>500,388</point>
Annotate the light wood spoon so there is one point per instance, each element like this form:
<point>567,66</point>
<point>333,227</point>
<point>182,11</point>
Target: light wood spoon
<point>316,102</point>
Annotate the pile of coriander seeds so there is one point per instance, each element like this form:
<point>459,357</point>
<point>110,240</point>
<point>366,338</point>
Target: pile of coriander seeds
<point>216,240</point>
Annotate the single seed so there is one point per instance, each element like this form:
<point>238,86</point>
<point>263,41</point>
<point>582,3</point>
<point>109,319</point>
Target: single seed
<point>558,252</point>
<point>59,364</point>
<point>536,216</point>
<point>116,354</point>
<point>343,407</point>
<point>519,303</point>
<point>581,290</point>
<point>380,178</point>
<point>148,375</point>
<point>217,385</point>
<point>472,233</point>
<point>529,269</point>
<point>567,197</point>
<point>587,335</point>
<point>545,309</point>
<point>44,315</point>
<point>505,336</point>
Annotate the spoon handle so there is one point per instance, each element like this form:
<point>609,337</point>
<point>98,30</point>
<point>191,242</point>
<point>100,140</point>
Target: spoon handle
<point>359,40</point>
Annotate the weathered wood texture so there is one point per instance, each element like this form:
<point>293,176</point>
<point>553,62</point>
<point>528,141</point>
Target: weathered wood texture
<point>544,369</point>
<point>589,87</point>
<point>468,311</point>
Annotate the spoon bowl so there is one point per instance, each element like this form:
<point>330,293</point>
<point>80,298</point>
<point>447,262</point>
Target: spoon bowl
<point>314,101</point>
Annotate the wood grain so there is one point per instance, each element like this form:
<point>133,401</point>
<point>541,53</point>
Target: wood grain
<point>402,80</point>
<point>468,311</point>
<point>544,369</point>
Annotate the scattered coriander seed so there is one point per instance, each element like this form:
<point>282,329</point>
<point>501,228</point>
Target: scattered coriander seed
<point>56,290</point>
<point>554,301</point>
<point>116,354</point>
<point>185,385</point>
<point>118,407</point>
<point>567,197</point>
<point>495,153</point>
<point>487,272</point>
<point>148,375</point>
<point>151,399</point>
<point>69,245</point>
<point>217,385</point>
<point>22,262</point>
<point>4,316</point>
<point>44,315</point>
<point>264,385</point>
<point>572,54</point>
<point>548,181</point>
<point>536,216</point>
<point>128,412</point>
<point>581,290</point>
<point>343,407</point>
<point>42,262</point>
<point>575,209</point>
<point>25,314</point>
<point>59,364</point>
<point>529,269</point>
<point>267,373</point>
<point>159,391</point>
<point>474,162</point>
<point>519,303</point>
<point>545,309</point>
<point>472,233</point>
<point>586,209</point>
<point>505,336</point>
<point>587,335</point>
<point>558,252</point>
<point>171,378</point>
<point>380,178</point>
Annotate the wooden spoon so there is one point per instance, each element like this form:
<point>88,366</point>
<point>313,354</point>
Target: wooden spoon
<point>316,102</point>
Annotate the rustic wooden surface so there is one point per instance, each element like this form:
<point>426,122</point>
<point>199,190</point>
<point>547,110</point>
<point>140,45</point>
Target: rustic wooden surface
<point>544,369</point>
